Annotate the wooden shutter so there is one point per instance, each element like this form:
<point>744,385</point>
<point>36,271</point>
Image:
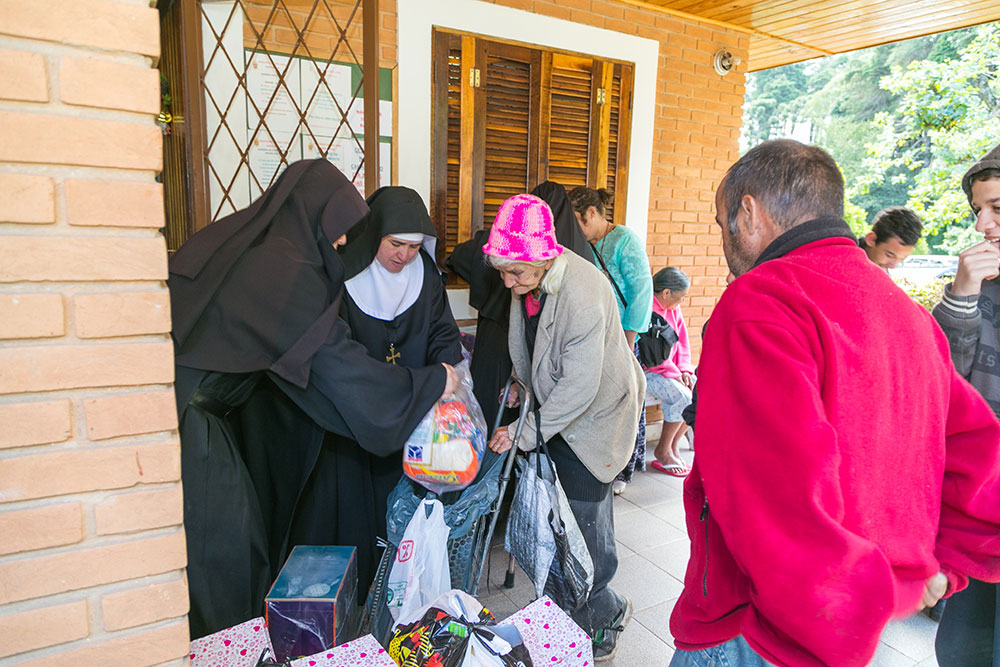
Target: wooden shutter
<point>507,117</point>
<point>510,158</point>
<point>569,125</point>
<point>619,136</point>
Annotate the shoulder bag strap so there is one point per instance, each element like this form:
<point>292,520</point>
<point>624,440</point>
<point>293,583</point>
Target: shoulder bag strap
<point>604,267</point>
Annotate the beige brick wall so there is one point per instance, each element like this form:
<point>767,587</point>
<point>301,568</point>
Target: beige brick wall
<point>92,549</point>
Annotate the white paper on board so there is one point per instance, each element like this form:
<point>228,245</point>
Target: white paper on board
<point>322,113</point>
<point>278,100</point>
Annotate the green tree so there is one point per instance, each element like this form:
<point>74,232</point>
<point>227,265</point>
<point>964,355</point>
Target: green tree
<point>947,116</point>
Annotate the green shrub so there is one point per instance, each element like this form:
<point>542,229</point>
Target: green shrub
<point>928,294</point>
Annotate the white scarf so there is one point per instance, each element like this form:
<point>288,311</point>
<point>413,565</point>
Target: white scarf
<point>381,294</point>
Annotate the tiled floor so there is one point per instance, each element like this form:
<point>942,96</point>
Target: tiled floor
<point>653,553</point>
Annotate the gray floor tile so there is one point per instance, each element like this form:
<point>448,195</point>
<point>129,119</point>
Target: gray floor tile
<point>929,662</point>
<point>644,583</point>
<point>672,558</point>
<point>889,657</point>
<point>913,636</point>
<point>639,647</point>
<point>656,619</point>
<point>651,488</point>
<point>641,530</point>
<point>671,511</point>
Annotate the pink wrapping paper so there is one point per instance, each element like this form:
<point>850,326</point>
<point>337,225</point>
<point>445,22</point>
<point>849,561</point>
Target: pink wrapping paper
<point>551,637</point>
<point>238,646</point>
<point>362,652</point>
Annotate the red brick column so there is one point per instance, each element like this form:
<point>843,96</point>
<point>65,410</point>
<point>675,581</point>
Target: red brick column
<point>92,550</point>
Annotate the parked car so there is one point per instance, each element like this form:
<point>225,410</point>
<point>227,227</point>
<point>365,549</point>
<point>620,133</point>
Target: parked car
<point>922,269</point>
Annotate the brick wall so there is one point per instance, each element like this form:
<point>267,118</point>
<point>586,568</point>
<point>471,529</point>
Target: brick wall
<point>92,550</point>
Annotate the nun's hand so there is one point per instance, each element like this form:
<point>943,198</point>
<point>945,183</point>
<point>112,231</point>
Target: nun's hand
<point>451,384</point>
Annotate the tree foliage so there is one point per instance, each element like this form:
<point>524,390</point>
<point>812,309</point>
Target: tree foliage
<point>904,121</point>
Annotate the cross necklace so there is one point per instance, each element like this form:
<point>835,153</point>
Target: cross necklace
<point>390,333</point>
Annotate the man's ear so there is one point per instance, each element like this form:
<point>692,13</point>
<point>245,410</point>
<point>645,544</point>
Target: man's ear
<point>870,239</point>
<point>751,215</point>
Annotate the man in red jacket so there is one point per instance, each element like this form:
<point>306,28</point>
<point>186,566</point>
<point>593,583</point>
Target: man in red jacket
<point>842,479</point>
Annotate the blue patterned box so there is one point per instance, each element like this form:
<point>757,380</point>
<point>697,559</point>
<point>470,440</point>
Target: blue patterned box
<point>310,607</point>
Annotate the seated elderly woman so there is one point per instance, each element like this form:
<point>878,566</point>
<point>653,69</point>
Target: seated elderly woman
<point>567,345</point>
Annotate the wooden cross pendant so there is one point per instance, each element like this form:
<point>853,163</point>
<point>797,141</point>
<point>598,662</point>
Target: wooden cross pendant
<point>393,355</point>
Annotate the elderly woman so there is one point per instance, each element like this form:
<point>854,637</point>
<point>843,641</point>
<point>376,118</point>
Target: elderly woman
<point>671,381</point>
<point>567,344</point>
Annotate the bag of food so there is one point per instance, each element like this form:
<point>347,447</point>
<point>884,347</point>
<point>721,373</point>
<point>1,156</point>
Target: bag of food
<point>456,631</point>
<point>444,451</point>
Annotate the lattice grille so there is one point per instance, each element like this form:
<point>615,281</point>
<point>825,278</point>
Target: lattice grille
<point>278,88</point>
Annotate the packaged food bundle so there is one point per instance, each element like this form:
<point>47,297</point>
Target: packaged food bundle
<point>456,631</point>
<point>444,452</point>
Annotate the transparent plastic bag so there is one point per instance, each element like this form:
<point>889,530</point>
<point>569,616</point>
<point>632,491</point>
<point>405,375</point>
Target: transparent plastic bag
<point>445,450</point>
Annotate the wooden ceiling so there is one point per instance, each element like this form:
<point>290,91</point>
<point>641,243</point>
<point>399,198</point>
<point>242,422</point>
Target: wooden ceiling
<point>788,31</point>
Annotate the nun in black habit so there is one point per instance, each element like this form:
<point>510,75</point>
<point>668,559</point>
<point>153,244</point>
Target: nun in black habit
<point>396,303</point>
<point>266,372</point>
<point>491,364</point>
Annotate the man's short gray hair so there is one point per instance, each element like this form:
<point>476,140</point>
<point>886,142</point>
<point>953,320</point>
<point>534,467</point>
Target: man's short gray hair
<point>793,182</point>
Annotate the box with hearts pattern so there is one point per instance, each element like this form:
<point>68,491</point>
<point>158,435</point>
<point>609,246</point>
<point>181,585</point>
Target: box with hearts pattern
<point>362,652</point>
<point>551,637</point>
<point>238,646</point>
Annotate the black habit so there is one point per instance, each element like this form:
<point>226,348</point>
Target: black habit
<point>266,368</point>
<point>423,335</point>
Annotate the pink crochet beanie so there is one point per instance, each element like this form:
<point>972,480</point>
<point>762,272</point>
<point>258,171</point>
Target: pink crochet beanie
<point>523,231</point>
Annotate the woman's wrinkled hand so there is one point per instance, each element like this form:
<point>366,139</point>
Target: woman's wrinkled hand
<point>688,380</point>
<point>513,396</point>
<point>501,442</point>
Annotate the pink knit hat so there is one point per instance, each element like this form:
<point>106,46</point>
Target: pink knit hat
<point>523,231</point>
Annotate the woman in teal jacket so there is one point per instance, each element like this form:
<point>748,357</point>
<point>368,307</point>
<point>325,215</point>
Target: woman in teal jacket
<point>620,254</point>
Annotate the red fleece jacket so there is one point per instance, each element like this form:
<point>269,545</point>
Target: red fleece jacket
<point>841,462</point>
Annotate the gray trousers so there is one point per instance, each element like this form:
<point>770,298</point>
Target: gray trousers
<point>597,523</point>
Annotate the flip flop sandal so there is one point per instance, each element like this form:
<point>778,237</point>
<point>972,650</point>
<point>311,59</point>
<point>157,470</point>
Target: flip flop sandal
<point>673,469</point>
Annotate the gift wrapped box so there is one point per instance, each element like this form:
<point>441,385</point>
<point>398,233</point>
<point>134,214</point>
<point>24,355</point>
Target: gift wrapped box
<point>310,607</point>
<point>551,636</point>
<point>238,646</point>
<point>361,652</point>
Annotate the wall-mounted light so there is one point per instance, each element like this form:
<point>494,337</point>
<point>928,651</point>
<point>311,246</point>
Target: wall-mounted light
<point>724,61</point>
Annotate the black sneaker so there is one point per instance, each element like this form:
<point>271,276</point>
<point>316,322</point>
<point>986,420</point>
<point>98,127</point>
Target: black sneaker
<point>606,639</point>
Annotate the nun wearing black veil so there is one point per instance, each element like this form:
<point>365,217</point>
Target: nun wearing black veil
<point>491,364</point>
<point>395,305</point>
<point>267,376</point>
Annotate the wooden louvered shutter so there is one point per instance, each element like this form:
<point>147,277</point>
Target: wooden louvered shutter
<point>453,139</point>
<point>507,117</point>
<point>619,135</point>
<point>511,152</point>
<point>569,125</point>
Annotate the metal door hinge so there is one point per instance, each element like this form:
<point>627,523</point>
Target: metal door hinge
<point>474,75</point>
<point>602,96</point>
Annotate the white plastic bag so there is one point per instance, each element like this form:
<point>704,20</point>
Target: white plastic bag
<point>420,571</point>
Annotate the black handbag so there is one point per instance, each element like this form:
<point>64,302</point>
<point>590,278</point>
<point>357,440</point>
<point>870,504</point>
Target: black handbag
<point>656,343</point>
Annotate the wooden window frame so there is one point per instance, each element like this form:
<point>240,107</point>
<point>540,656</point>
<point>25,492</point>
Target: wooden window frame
<point>468,212</point>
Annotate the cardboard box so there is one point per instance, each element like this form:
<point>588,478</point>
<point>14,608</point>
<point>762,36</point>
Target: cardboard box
<point>311,605</point>
<point>238,646</point>
<point>551,636</point>
<point>361,652</point>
